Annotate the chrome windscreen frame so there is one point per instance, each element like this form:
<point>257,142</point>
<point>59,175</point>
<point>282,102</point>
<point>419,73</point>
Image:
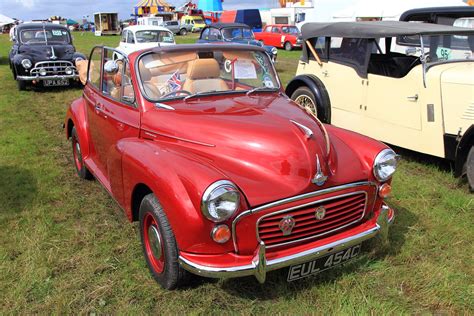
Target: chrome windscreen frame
<point>294,199</point>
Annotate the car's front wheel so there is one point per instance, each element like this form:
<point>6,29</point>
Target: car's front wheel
<point>159,245</point>
<point>21,85</point>
<point>288,46</point>
<point>81,168</point>
<point>470,169</point>
<point>183,31</point>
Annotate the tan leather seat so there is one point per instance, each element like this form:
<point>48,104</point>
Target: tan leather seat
<point>204,75</point>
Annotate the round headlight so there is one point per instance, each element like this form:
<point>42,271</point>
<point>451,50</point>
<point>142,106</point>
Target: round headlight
<point>78,59</point>
<point>220,201</point>
<point>42,72</point>
<point>68,71</point>
<point>385,164</point>
<point>274,51</point>
<point>26,63</point>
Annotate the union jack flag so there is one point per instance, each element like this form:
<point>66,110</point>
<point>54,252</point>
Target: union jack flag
<point>174,82</point>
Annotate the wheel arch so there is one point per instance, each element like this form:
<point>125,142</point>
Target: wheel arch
<point>316,86</point>
<point>139,192</point>
<point>462,150</point>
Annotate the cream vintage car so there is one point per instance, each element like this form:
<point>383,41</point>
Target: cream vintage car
<point>407,84</point>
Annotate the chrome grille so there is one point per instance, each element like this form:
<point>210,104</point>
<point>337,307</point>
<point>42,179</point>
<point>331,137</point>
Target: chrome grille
<point>340,212</point>
<point>53,68</point>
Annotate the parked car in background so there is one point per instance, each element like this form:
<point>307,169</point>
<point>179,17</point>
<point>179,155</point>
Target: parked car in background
<point>196,22</point>
<point>282,36</point>
<point>163,130</point>
<point>462,16</point>
<point>233,33</point>
<point>43,55</point>
<point>419,97</point>
<point>137,37</point>
<point>177,28</point>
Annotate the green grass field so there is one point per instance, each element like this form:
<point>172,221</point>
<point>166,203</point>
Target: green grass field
<point>66,247</point>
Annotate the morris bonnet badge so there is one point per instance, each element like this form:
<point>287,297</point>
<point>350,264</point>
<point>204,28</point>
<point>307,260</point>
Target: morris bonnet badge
<point>319,178</point>
<point>320,213</point>
<point>286,225</point>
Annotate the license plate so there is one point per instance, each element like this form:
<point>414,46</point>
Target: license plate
<point>306,269</point>
<point>56,82</point>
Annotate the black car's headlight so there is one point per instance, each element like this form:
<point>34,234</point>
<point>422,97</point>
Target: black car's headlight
<point>274,51</point>
<point>26,63</point>
<point>220,201</point>
<point>385,164</point>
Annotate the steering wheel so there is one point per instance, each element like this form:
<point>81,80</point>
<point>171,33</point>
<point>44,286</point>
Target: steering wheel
<point>172,93</point>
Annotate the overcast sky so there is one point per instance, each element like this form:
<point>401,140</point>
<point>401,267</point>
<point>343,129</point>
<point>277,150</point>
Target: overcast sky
<point>38,9</point>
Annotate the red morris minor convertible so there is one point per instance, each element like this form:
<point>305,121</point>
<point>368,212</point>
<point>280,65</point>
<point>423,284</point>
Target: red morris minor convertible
<point>226,175</point>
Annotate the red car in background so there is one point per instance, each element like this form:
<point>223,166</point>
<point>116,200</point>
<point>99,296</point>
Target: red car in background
<point>280,35</point>
<point>225,174</point>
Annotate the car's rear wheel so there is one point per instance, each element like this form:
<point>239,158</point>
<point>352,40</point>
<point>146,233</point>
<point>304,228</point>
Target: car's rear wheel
<point>183,31</point>
<point>470,169</point>
<point>81,168</point>
<point>159,245</point>
<point>288,46</point>
<point>305,98</point>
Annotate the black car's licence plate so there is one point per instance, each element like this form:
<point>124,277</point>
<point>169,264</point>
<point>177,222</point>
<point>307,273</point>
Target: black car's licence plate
<point>306,269</point>
<point>55,82</point>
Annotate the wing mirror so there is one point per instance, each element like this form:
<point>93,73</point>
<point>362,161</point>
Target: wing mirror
<point>111,67</point>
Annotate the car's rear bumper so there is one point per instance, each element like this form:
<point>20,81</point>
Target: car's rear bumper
<point>220,266</point>
<point>51,77</point>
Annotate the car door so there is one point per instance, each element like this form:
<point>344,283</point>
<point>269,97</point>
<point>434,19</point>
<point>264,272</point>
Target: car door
<point>342,73</point>
<point>117,116</point>
<point>275,36</point>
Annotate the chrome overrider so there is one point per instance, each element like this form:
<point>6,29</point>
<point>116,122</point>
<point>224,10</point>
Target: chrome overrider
<point>260,265</point>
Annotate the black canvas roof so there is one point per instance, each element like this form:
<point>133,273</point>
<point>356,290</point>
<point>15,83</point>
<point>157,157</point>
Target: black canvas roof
<point>47,26</point>
<point>224,25</point>
<point>378,29</point>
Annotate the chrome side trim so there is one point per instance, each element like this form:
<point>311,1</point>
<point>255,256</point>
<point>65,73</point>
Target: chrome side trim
<point>309,204</point>
<point>293,199</point>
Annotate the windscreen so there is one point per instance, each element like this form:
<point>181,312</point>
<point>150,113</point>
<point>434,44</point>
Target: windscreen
<point>232,33</point>
<point>154,36</point>
<point>173,75</point>
<point>39,36</point>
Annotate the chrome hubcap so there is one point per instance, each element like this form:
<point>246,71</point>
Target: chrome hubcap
<point>78,151</point>
<point>154,241</point>
<point>306,102</point>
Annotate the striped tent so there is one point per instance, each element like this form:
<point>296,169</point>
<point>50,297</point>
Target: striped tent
<point>149,7</point>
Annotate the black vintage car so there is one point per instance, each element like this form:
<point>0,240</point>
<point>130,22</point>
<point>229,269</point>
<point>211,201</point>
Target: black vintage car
<point>43,54</point>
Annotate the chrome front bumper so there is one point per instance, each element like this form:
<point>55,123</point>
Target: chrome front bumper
<point>52,77</point>
<point>260,265</point>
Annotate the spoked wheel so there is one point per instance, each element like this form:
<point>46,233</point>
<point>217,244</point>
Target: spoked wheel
<point>470,169</point>
<point>159,245</point>
<point>81,169</point>
<point>305,98</point>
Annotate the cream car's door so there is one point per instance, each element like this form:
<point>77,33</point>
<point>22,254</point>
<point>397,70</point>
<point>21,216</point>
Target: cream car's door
<point>344,80</point>
<point>393,108</point>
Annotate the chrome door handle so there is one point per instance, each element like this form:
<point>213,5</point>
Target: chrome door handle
<point>413,98</point>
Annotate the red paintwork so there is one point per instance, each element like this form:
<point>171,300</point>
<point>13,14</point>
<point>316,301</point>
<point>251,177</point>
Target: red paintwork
<point>246,139</point>
<point>277,39</point>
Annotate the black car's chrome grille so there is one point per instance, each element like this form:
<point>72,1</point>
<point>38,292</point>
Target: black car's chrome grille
<point>53,68</point>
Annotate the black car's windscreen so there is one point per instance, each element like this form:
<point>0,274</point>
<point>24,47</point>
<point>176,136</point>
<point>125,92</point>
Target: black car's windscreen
<point>40,36</point>
<point>179,74</point>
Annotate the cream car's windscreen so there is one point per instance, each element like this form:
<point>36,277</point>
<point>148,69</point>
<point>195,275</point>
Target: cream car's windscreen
<point>154,36</point>
<point>170,75</point>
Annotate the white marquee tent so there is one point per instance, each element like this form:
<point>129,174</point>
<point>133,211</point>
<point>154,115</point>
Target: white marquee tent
<point>5,20</point>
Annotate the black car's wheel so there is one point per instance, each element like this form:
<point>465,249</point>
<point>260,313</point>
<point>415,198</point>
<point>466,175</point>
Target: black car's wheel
<point>288,46</point>
<point>21,85</point>
<point>159,245</point>
<point>81,168</point>
<point>470,169</point>
<point>183,31</point>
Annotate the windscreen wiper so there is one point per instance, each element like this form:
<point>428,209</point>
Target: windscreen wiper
<point>263,88</point>
<point>198,94</point>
